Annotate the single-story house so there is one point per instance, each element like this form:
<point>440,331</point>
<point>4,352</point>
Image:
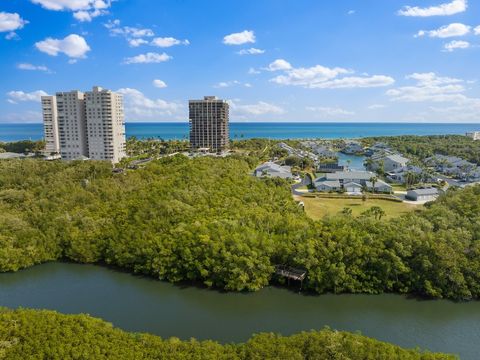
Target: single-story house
<point>429,194</point>
<point>350,181</point>
<point>328,185</point>
<point>271,169</point>
<point>380,187</point>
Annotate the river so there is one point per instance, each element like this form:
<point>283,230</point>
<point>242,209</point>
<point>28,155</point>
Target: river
<point>143,304</point>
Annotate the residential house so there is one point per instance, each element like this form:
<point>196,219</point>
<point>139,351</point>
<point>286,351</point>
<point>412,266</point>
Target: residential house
<point>348,180</point>
<point>330,167</point>
<point>390,162</point>
<point>271,169</point>
<point>379,187</point>
<point>429,194</point>
<point>399,175</point>
<point>353,147</point>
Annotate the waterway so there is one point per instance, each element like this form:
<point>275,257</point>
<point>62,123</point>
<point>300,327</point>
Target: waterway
<point>146,305</point>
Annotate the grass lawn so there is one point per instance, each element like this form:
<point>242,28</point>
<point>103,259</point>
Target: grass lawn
<point>317,208</point>
<point>399,187</point>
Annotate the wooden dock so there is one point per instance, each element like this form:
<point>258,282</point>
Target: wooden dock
<point>291,273</point>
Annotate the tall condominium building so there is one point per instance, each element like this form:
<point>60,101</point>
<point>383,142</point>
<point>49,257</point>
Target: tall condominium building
<point>209,124</point>
<point>72,126</point>
<point>105,125</point>
<point>50,125</point>
<point>89,125</point>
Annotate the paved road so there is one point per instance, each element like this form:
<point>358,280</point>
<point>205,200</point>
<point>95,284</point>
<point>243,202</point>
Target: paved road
<point>302,183</point>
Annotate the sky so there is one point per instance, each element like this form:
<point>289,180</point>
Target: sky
<point>273,60</point>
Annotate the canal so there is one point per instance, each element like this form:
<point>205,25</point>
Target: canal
<point>145,305</point>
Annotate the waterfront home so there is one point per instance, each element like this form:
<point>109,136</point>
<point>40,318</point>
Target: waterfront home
<point>429,194</point>
<point>353,147</point>
<point>452,166</point>
<point>330,167</point>
<point>400,175</point>
<point>349,181</point>
<point>271,169</point>
<point>390,162</point>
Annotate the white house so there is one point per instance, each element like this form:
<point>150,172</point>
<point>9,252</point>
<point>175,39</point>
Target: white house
<point>270,169</point>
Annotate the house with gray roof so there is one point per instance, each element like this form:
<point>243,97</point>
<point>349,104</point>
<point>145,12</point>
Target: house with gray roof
<point>380,187</point>
<point>328,185</point>
<point>429,194</point>
<point>400,175</point>
<point>271,169</point>
<point>350,181</point>
<point>390,162</point>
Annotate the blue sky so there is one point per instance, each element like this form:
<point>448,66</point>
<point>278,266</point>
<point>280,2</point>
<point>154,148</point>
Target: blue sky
<point>274,60</point>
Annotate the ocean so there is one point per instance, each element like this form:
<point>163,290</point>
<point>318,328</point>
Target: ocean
<point>290,130</point>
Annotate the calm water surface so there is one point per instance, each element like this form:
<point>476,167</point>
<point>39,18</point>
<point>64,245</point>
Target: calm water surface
<point>285,130</point>
<point>146,305</point>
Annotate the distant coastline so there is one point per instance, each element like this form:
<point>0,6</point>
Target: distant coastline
<point>272,130</point>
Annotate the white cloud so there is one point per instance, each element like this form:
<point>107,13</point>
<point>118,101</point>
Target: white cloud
<point>27,66</point>
<point>477,30</point>
<point>430,87</point>
<point>159,83</point>
<point>165,42</point>
<point>452,30</point>
<point>279,64</point>
<point>456,44</point>
<point>244,37</point>
<point>253,71</point>
<point>83,10</point>
<point>74,46</point>
<point>226,84</point>
<point>137,42</point>
<point>148,58</point>
<point>251,51</point>
<point>376,106</point>
<point>11,22</point>
<point>136,35</point>
<point>321,77</point>
<point>140,107</point>
<point>258,109</point>
<point>351,12</point>
<point>17,96</point>
<point>329,112</point>
<point>451,8</point>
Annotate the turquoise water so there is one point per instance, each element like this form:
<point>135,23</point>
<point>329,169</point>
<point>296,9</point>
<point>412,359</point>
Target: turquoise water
<point>297,130</point>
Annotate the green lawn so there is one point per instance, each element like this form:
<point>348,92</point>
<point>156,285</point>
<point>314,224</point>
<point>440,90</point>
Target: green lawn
<point>317,208</point>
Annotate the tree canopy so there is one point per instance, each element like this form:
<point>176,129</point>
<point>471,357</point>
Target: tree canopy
<point>208,220</point>
<point>30,334</point>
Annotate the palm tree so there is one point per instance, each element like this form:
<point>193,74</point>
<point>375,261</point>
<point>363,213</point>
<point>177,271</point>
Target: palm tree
<point>374,181</point>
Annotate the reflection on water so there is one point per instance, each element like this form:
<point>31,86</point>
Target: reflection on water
<point>147,305</point>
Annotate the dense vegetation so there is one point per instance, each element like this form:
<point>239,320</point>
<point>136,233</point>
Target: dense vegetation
<point>207,220</point>
<point>29,334</point>
<point>24,146</point>
<point>422,147</point>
